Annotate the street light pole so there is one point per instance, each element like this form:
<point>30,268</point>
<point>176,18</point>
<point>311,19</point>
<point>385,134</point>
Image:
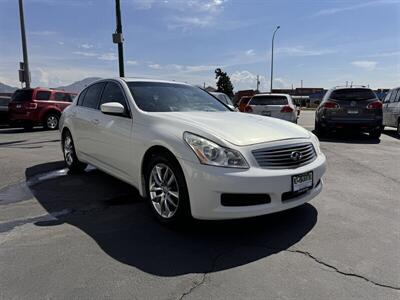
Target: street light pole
<point>118,38</point>
<point>272,55</point>
<point>24,70</point>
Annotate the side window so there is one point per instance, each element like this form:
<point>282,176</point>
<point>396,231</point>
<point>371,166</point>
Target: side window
<point>113,93</point>
<point>43,95</point>
<point>92,96</point>
<point>68,97</point>
<point>81,96</point>
<point>387,97</point>
<point>59,96</point>
<point>397,99</point>
<point>393,96</point>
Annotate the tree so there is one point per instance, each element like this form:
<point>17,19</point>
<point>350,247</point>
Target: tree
<point>224,84</point>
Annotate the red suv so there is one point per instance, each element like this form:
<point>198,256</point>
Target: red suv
<point>39,106</point>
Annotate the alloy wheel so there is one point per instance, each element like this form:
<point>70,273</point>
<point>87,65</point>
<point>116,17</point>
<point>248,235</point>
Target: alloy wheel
<point>68,150</point>
<point>164,190</point>
<point>52,122</point>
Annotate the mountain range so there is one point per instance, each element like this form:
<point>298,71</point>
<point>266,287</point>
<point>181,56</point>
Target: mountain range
<point>75,87</point>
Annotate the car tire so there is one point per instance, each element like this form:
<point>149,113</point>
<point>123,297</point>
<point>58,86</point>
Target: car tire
<point>375,134</point>
<point>51,121</point>
<point>398,127</point>
<point>319,130</point>
<point>167,193</point>
<point>70,158</point>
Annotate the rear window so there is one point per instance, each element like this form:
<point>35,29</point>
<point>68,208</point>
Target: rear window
<point>269,100</point>
<point>43,95</point>
<point>22,95</point>
<point>352,94</point>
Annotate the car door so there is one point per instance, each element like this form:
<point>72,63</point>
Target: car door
<point>86,120</point>
<point>391,108</point>
<point>113,135</point>
<point>396,108</point>
<point>385,108</point>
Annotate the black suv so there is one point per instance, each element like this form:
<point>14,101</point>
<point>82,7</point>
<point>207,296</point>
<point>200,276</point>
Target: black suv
<point>349,107</point>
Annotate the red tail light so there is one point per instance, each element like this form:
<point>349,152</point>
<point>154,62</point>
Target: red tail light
<point>331,105</point>
<point>248,109</point>
<point>30,105</point>
<point>375,105</point>
<point>287,109</point>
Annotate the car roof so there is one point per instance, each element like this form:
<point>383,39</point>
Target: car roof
<point>134,79</point>
<point>271,94</point>
<point>360,87</point>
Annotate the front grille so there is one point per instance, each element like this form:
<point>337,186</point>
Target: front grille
<point>282,157</point>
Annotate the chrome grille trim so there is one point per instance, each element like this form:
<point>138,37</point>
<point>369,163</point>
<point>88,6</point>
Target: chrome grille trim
<point>279,157</point>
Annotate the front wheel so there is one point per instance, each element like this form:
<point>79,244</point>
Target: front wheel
<point>52,121</point>
<point>166,190</point>
<point>70,158</point>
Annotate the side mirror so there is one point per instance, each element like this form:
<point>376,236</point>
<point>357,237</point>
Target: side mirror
<point>112,108</point>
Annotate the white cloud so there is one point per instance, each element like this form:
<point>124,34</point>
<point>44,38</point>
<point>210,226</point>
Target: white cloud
<point>301,51</point>
<point>143,4</point>
<point>42,33</point>
<point>245,80</point>
<point>365,64</point>
<point>155,66</point>
<point>132,62</point>
<point>186,23</point>
<point>335,10</point>
<point>108,56</point>
<point>201,68</point>
<point>61,43</point>
<point>86,46</point>
<point>83,53</point>
<point>250,52</point>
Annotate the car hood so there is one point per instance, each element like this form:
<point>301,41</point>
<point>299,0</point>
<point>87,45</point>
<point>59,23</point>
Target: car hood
<point>240,129</point>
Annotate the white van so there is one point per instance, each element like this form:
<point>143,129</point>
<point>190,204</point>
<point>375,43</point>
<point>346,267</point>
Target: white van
<point>391,109</point>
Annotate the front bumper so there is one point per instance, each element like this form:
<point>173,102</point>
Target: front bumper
<point>206,184</point>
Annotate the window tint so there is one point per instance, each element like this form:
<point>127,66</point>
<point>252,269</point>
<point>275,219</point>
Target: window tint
<point>168,97</point>
<point>353,94</point>
<point>22,95</point>
<point>113,93</point>
<point>43,95</point>
<point>81,96</point>
<point>395,95</point>
<point>92,96</point>
<point>269,100</point>
<point>65,97</point>
<point>387,97</point>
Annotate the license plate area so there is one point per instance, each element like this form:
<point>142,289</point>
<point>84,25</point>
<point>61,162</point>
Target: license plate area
<point>266,113</point>
<point>352,111</point>
<point>302,182</point>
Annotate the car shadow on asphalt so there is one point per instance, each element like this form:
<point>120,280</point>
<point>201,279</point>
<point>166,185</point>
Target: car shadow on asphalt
<point>15,130</point>
<point>118,219</point>
<point>391,133</point>
<point>348,137</point>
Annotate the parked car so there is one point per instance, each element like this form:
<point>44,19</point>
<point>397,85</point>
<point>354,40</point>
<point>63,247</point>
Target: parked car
<point>349,107</point>
<point>243,102</point>
<point>38,106</point>
<point>4,101</point>
<point>279,106</point>
<point>391,109</point>
<point>187,153</point>
<point>224,98</point>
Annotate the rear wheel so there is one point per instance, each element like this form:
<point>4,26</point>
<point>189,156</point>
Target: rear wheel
<point>398,127</point>
<point>319,130</point>
<point>166,190</point>
<point>376,133</point>
<point>70,158</point>
<point>51,121</point>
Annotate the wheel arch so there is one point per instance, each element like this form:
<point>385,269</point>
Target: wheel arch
<point>49,111</point>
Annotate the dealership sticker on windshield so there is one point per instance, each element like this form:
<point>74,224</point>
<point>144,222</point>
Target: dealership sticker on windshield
<point>302,182</point>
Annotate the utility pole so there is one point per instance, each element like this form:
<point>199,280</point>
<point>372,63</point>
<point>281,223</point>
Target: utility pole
<point>119,39</point>
<point>258,83</point>
<point>24,75</point>
<point>272,56</point>
<point>301,83</point>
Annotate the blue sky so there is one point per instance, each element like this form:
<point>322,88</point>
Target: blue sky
<point>323,43</point>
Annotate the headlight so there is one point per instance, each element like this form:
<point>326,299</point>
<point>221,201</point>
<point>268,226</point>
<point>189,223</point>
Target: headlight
<point>315,142</point>
<point>209,153</point>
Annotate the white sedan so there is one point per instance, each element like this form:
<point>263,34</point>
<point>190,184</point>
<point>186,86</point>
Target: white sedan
<point>187,153</point>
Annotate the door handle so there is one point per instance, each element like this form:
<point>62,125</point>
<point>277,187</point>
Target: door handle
<point>95,121</point>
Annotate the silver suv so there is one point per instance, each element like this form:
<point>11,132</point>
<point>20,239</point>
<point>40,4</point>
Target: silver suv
<point>349,107</point>
<point>391,109</point>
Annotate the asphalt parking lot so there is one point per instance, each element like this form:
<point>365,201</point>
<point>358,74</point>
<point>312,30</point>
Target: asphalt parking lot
<point>90,236</point>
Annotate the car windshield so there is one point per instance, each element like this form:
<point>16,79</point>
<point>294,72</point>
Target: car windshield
<point>22,95</point>
<point>352,94</point>
<point>169,97</point>
<point>269,100</point>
